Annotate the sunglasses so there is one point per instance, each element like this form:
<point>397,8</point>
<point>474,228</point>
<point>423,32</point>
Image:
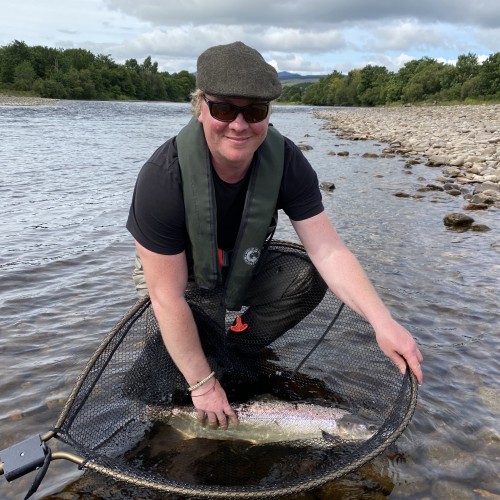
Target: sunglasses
<point>226,112</point>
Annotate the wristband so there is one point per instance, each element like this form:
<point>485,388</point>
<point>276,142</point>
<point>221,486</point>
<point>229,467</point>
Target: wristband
<point>206,392</point>
<point>201,382</point>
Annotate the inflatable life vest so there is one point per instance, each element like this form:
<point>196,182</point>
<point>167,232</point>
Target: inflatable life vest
<point>201,210</point>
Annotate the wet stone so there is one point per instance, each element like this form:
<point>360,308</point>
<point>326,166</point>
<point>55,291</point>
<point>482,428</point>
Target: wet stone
<point>458,220</point>
<point>327,186</point>
<point>451,460</point>
<point>446,490</point>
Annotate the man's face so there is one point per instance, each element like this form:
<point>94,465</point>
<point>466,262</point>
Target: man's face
<point>232,144</point>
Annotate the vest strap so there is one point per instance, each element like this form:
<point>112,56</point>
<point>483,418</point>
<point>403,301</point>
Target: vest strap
<point>201,210</point>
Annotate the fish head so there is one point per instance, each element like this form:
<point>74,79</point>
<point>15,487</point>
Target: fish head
<point>351,428</point>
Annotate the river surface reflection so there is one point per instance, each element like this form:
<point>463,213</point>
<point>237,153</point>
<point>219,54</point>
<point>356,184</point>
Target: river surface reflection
<point>66,179</point>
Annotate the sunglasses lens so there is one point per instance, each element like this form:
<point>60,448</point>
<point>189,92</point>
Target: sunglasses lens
<point>226,112</point>
<point>255,113</point>
<point>223,111</point>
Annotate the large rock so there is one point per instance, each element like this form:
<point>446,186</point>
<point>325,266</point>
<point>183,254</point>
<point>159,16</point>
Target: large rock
<point>458,220</point>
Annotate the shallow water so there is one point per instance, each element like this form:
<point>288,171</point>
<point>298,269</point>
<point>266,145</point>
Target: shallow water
<point>66,176</point>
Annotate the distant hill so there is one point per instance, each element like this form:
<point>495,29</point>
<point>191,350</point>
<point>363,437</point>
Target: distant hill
<point>288,78</point>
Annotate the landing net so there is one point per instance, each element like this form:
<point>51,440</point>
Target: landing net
<point>329,357</point>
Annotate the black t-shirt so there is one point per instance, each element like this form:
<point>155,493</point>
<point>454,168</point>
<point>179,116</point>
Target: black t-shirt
<point>230,200</point>
<point>157,218</point>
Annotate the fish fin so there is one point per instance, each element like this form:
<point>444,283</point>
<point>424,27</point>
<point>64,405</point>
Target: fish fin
<point>186,435</point>
<point>329,437</point>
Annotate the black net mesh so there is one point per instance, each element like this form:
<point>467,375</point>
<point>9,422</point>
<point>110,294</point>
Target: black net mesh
<point>301,345</point>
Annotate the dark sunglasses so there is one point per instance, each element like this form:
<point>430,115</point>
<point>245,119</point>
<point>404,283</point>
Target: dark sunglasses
<point>226,112</point>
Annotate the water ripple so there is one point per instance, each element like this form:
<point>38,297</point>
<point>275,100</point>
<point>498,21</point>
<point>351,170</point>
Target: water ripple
<point>67,176</point>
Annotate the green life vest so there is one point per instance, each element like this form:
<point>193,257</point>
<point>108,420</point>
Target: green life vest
<point>201,210</point>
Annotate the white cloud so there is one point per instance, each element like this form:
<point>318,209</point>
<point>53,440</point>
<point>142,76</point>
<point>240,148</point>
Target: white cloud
<point>299,13</point>
<point>316,36</point>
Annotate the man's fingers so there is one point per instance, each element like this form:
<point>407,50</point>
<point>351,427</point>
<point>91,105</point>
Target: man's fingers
<point>213,423</point>
<point>417,370</point>
<point>233,418</point>
<point>223,423</point>
<point>413,363</point>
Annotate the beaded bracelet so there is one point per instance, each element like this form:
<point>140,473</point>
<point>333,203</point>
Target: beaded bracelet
<point>201,382</point>
<point>206,392</point>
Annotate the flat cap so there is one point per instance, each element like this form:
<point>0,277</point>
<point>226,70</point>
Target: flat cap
<point>237,70</point>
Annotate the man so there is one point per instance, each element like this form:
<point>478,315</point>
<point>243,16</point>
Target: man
<point>203,211</point>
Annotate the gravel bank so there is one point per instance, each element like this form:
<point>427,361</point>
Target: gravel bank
<point>8,100</point>
<point>463,140</point>
<point>467,137</point>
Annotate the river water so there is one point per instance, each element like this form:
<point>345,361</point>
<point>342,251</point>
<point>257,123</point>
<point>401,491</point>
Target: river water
<point>67,172</point>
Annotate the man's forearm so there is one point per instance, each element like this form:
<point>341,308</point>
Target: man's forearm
<point>350,283</point>
<point>180,335</point>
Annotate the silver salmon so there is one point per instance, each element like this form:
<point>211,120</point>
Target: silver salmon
<point>272,421</point>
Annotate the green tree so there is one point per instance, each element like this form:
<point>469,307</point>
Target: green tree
<point>466,68</point>
<point>424,82</point>
<point>333,84</point>
<point>182,84</point>
<point>79,58</point>
<point>13,54</point>
<point>294,93</point>
<point>413,92</point>
<point>351,88</point>
<point>471,89</point>
<point>321,93</point>
<point>24,76</point>
<point>87,84</point>
<point>490,76</point>
<point>148,66</point>
<point>371,89</point>
<point>44,60</point>
<point>50,88</point>
<point>132,65</point>
<point>394,88</point>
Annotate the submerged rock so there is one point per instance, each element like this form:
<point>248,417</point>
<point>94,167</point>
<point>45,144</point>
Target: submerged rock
<point>480,228</point>
<point>476,206</point>
<point>327,186</point>
<point>458,220</point>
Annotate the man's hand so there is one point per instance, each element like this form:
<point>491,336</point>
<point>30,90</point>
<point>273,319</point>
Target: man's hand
<point>397,343</point>
<point>213,406</point>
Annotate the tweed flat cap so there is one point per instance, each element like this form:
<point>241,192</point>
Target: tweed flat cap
<point>236,70</point>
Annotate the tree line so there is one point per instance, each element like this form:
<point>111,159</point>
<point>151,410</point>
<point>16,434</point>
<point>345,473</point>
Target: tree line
<point>422,80</point>
<point>79,74</point>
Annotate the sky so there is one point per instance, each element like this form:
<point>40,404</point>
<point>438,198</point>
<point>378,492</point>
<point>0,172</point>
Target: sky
<point>299,36</point>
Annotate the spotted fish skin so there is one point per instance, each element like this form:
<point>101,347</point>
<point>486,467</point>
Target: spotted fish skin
<point>273,421</point>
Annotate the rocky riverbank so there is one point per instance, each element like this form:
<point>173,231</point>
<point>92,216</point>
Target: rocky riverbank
<point>9,100</point>
<point>463,141</point>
